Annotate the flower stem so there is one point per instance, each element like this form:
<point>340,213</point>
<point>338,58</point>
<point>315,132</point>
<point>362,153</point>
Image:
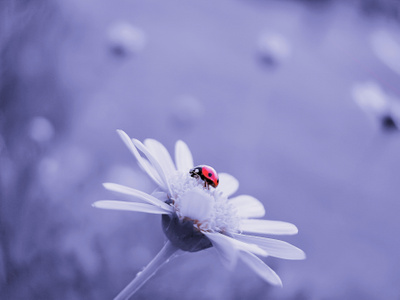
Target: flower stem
<point>161,258</point>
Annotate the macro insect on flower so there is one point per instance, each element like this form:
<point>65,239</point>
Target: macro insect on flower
<point>207,174</point>
<point>198,212</point>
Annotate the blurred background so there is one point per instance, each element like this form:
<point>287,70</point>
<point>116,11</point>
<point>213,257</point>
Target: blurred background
<point>299,100</point>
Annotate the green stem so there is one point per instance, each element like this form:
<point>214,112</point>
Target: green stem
<point>161,258</point>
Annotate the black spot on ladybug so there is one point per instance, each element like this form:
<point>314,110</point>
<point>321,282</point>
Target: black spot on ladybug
<point>209,174</point>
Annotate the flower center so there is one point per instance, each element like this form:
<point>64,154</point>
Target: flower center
<point>208,209</point>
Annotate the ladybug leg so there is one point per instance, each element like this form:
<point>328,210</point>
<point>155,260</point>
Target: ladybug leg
<point>206,185</point>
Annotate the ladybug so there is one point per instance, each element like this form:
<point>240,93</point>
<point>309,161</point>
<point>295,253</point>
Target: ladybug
<point>207,174</point>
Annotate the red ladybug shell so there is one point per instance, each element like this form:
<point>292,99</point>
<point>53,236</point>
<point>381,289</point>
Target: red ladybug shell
<point>206,173</point>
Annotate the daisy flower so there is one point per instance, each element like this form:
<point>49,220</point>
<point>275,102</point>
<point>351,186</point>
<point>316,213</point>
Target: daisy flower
<point>386,46</point>
<point>125,39</point>
<point>378,104</point>
<point>197,216</point>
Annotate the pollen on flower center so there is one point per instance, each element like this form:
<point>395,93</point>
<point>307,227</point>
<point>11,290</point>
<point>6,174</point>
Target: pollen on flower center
<point>208,209</point>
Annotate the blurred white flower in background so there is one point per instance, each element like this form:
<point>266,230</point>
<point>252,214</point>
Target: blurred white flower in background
<point>186,111</point>
<point>273,48</point>
<point>382,109</point>
<point>68,166</point>
<point>195,217</point>
<point>41,130</point>
<point>387,48</point>
<point>125,39</point>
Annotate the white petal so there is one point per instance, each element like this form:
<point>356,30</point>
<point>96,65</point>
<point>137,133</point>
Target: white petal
<point>273,247</point>
<point>248,206</point>
<point>162,156</point>
<point>260,268</point>
<point>228,244</point>
<point>138,194</point>
<point>247,246</point>
<point>267,227</point>
<point>144,164</point>
<point>153,161</point>
<point>131,206</point>
<point>151,171</point>
<point>183,157</point>
<point>226,252</point>
<point>160,195</point>
<point>227,184</point>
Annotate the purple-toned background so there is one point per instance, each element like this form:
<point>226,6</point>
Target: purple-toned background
<point>263,90</point>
